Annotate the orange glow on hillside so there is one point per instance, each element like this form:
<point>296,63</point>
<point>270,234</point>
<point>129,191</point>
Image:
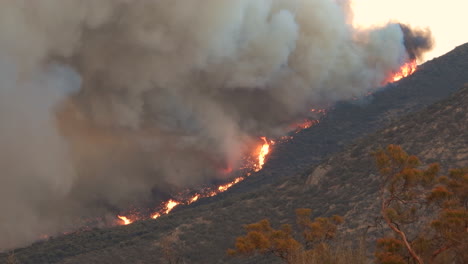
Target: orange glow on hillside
<point>194,198</point>
<point>264,150</point>
<point>170,205</point>
<point>166,208</point>
<point>225,187</point>
<point>125,220</point>
<point>406,70</point>
<point>155,215</point>
<point>305,124</point>
<point>259,160</point>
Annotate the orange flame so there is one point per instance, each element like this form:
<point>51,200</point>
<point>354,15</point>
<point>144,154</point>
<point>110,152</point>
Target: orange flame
<point>155,215</point>
<point>194,198</point>
<point>170,205</point>
<point>125,220</point>
<point>406,70</point>
<point>225,187</point>
<point>305,124</point>
<point>264,150</point>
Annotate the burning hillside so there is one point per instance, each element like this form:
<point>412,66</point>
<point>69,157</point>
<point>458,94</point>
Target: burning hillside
<point>106,105</point>
<point>406,70</point>
<point>254,164</point>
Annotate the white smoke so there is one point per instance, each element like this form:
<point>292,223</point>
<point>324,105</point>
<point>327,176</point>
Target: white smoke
<point>103,102</point>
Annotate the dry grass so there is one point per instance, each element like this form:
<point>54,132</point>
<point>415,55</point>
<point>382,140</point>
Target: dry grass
<point>339,254</point>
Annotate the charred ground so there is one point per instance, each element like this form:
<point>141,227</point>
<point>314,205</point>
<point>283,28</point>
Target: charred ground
<point>327,168</point>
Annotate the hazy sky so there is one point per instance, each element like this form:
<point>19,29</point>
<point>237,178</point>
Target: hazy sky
<point>447,19</point>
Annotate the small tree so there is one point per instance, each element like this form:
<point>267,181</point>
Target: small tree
<point>11,259</point>
<point>450,196</point>
<point>409,196</point>
<point>318,232</point>
<point>262,239</point>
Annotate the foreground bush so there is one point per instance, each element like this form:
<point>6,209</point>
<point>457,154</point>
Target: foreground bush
<point>426,212</point>
<point>313,246</point>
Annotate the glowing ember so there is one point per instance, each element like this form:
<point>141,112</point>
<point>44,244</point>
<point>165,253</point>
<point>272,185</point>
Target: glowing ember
<point>284,139</point>
<point>155,215</point>
<point>318,111</point>
<point>125,220</point>
<point>306,124</point>
<point>44,237</point>
<point>405,70</point>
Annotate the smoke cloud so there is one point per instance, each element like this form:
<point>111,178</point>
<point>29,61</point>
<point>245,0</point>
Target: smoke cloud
<point>417,41</point>
<point>103,104</point>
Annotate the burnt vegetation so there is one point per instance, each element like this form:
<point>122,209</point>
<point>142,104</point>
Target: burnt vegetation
<point>331,169</point>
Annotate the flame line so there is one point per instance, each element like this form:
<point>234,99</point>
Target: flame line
<point>261,155</point>
<point>405,70</point>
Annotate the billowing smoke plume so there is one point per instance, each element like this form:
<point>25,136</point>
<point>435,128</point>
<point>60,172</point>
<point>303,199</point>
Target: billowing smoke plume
<point>103,103</point>
<point>417,41</point>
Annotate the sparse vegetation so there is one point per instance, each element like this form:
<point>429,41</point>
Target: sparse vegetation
<point>169,252</point>
<point>350,188</point>
<point>314,246</point>
<point>426,212</point>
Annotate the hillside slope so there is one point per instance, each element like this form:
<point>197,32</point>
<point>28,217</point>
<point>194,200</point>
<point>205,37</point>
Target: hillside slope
<point>434,80</point>
<point>345,183</point>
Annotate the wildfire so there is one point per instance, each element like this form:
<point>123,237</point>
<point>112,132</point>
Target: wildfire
<point>305,124</point>
<point>167,206</point>
<point>170,205</point>
<point>284,139</point>
<point>264,150</point>
<point>155,215</point>
<point>253,163</point>
<point>225,187</point>
<point>125,220</point>
<point>194,198</point>
<point>405,70</point>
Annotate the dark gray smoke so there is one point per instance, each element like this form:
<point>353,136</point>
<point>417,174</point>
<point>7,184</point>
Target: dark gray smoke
<point>103,103</point>
<point>417,41</point>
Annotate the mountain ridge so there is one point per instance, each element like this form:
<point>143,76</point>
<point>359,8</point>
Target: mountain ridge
<point>280,188</point>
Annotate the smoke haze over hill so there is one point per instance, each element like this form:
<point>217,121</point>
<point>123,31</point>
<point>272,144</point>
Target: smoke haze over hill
<point>102,102</point>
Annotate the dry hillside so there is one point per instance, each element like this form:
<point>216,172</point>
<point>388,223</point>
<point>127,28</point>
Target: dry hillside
<point>320,169</point>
